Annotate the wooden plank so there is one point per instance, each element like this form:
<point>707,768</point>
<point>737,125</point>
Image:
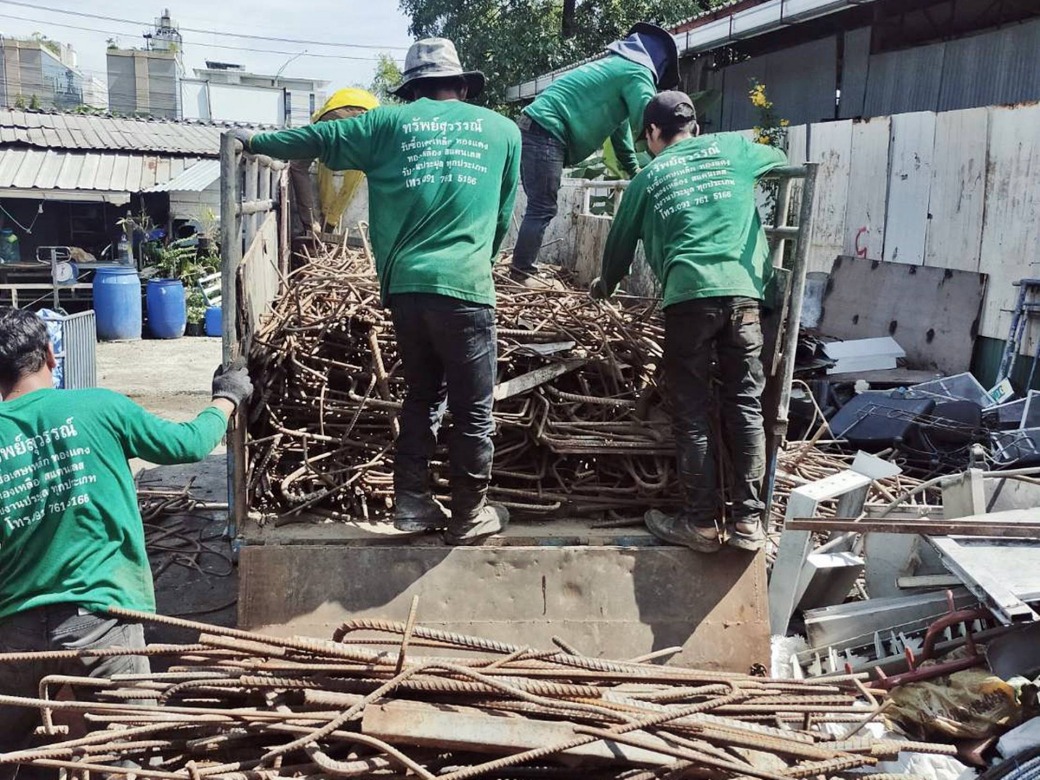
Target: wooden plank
<point>1010,230</point>
<point>958,191</point>
<point>931,312</point>
<point>868,190</point>
<point>830,145</point>
<point>909,181</point>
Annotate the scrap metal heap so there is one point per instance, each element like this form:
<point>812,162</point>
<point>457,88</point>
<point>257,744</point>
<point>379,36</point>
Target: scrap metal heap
<point>236,705</point>
<point>579,420</point>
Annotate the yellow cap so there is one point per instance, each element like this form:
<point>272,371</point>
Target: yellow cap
<point>345,98</point>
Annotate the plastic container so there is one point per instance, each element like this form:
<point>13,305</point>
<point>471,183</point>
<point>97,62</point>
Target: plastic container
<point>9,249</point>
<point>117,303</point>
<point>214,321</point>
<point>167,308</point>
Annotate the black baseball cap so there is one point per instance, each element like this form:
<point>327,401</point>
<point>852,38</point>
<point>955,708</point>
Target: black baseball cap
<point>667,107</point>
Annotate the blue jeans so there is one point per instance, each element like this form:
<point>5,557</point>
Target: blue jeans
<point>449,357</point>
<point>696,333</point>
<point>541,168</point>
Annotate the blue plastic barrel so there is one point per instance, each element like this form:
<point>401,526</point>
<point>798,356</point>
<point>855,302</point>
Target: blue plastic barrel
<point>214,321</point>
<point>167,308</point>
<point>117,303</point>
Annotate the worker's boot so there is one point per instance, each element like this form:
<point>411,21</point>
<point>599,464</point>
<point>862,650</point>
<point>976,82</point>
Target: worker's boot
<point>681,530</point>
<point>536,281</point>
<point>746,534</point>
<point>416,513</point>
<point>415,508</point>
<point>473,519</point>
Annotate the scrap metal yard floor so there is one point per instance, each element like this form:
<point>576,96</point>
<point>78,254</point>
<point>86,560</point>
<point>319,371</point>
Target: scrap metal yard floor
<point>611,592</point>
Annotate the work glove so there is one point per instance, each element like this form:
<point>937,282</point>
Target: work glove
<point>232,382</point>
<point>598,290</point>
<point>243,136</point>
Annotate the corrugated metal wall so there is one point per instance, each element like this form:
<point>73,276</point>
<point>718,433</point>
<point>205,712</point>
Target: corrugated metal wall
<point>993,68</point>
<point>801,82</point>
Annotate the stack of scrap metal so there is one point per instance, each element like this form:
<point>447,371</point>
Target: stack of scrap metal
<point>578,411</point>
<point>242,706</point>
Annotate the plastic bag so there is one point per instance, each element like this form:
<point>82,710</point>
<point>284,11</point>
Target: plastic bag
<point>972,704</point>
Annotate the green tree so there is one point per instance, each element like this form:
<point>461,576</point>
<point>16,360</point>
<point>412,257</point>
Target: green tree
<point>512,41</point>
<point>386,79</point>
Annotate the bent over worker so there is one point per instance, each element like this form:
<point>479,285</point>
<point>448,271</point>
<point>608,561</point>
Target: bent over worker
<point>71,535</point>
<point>694,209</point>
<point>320,212</point>
<point>442,178</point>
<point>573,117</point>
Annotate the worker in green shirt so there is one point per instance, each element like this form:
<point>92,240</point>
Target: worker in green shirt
<point>694,209</point>
<point>71,536</point>
<point>442,178</point>
<point>574,116</point>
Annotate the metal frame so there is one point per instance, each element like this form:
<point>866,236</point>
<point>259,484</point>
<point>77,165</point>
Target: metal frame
<point>251,187</point>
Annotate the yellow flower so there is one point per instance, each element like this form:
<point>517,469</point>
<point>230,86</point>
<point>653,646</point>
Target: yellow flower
<point>763,139</point>
<point>785,122</point>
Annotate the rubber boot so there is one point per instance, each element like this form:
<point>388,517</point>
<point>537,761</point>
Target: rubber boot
<point>415,508</point>
<point>416,513</point>
<point>681,531</point>
<point>473,519</point>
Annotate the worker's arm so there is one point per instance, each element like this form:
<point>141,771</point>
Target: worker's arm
<point>345,144</point>
<point>636,94</point>
<point>624,149</point>
<point>510,178</point>
<point>764,158</point>
<point>160,441</point>
<point>623,238</point>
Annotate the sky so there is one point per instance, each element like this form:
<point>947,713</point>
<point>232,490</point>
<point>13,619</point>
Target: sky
<point>371,26</point>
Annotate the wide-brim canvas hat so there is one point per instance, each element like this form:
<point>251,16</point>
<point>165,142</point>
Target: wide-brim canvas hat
<point>670,78</point>
<point>436,58</point>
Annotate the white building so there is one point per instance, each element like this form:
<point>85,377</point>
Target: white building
<point>225,92</point>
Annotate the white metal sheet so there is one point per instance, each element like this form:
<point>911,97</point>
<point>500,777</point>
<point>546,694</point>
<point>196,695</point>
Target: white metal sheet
<point>830,145</point>
<point>909,181</point>
<point>868,189</point>
<point>1011,230</point>
<point>958,191</point>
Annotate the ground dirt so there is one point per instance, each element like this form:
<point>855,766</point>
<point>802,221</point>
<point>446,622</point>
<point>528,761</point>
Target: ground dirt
<point>195,575</point>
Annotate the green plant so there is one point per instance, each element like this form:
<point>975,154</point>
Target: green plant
<point>180,262</point>
<point>771,131</point>
<point>34,103</point>
<point>20,103</point>
<point>196,306</point>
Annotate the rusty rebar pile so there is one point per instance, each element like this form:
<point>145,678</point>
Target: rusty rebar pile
<point>578,412</point>
<point>242,706</point>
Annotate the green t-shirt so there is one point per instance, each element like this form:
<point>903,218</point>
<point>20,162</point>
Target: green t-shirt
<point>442,178</point>
<point>71,531</point>
<point>694,209</point>
<point>600,99</point>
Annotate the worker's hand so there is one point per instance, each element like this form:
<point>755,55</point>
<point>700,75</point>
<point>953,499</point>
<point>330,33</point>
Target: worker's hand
<point>598,290</point>
<point>232,382</point>
<point>243,136</point>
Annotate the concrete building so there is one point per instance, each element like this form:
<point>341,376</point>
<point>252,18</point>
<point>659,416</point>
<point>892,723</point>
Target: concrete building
<point>39,73</point>
<point>226,92</point>
<point>147,81</point>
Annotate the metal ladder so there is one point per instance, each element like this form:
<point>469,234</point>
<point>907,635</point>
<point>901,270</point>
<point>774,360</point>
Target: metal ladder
<point>1026,307</point>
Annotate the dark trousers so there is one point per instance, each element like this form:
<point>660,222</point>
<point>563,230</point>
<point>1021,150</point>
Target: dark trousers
<point>696,333</point>
<point>541,168</point>
<point>57,627</point>
<point>448,354</point>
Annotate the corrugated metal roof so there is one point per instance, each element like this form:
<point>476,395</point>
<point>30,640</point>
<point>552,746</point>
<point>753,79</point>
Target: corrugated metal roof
<point>32,169</point>
<point>80,132</point>
<point>194,179</point>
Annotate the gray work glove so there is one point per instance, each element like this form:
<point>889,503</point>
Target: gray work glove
<point>243,136</point>
<point>598,290</point>
<point>232,382</point>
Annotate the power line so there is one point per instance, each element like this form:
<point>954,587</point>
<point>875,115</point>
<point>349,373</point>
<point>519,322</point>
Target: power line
<point>193,43</point>
<point>83,14</point>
